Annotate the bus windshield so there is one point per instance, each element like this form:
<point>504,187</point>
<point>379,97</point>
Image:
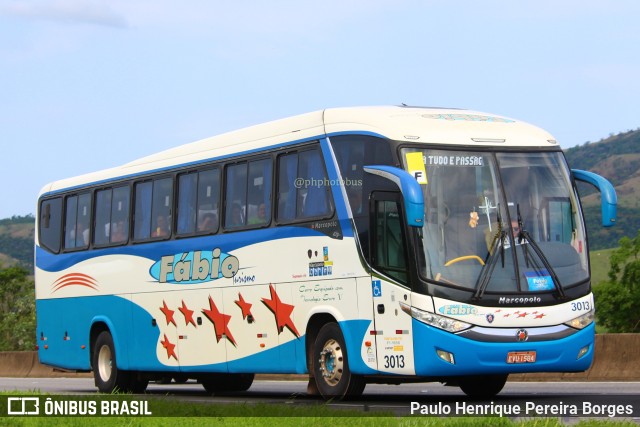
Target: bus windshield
<point>500,223</point>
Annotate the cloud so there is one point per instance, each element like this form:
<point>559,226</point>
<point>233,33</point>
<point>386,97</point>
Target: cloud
<point>93,12</point>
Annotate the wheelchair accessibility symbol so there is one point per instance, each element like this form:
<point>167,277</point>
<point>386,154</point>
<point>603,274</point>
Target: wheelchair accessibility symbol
<point>376,288</point>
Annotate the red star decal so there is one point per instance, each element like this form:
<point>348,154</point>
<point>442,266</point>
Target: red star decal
<point>168,313</point>
<point>188,314</point>
<point>523,314</point>
<point>220,322</point>
<point>169,347</point>
<point>281,311</point>
<point>244,306</point>
<point>540,316</point>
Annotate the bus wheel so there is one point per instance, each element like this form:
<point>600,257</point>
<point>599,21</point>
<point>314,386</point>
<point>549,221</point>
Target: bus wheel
<point>108,378</point>
<point>331,365</point>
<point>483,385</point>
<point>221,383</point>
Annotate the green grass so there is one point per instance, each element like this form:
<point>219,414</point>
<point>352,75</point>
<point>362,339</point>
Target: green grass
<point>600,265</point>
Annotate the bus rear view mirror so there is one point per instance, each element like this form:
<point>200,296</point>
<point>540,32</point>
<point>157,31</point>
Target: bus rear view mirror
<point>609,199</point>
<point>410,189</point>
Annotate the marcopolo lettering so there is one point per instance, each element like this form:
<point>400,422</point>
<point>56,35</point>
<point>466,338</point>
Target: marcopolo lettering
<point>195,267</point>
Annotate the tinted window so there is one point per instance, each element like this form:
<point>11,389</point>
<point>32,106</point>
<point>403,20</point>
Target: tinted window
<point>198,199</point>
<point>153,202</point>
<point>187,203</point>
<point>77,220</point>
<point>208,200</point>
<point>236,196</point>
<point>389,241</point>
<point>303,187</point>
<point>248,194</point>
<point>259,192</point>
<point>112,216</point>
<point>49,224</point>
<point>120,215</point>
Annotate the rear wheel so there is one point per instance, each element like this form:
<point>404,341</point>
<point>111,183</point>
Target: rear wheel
<point>331,371</point>
<point>108,378</point>
<point>483,385</point>
<point>221,383</point>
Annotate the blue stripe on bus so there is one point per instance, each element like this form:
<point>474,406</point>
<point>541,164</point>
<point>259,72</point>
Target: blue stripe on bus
<point>155,250</point>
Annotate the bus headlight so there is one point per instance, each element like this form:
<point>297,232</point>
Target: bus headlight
<point>441,322</point>
<point>582,321</point>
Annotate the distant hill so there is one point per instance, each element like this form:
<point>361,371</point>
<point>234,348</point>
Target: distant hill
<point>16,241</point>
<point>617,158</point>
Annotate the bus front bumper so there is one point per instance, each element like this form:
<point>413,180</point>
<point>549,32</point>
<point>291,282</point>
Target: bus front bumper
<point>440,353</point>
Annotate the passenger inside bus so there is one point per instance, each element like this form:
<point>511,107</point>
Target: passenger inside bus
<point>162,227</point>
<point>208,222</point>
<point>260,215</point>
<point>119,233</point>
<point>237,218</point>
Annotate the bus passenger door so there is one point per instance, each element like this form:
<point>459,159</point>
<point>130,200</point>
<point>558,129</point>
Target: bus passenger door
<point>389,285</point>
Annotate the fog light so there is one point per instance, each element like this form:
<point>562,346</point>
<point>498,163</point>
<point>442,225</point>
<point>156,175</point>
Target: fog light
<point>582,351</point>
<point>446,356</point>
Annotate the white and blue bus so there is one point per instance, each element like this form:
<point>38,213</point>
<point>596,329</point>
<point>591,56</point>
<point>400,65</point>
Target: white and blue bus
<point>355,245</point>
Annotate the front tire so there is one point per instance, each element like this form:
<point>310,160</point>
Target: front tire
<point>483,386</point>
<point>331,372</point>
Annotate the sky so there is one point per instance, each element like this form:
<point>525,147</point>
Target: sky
<point>91,84</point>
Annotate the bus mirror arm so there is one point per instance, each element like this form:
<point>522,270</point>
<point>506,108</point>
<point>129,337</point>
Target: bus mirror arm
<point>609,199</point>
<point>410,189</point>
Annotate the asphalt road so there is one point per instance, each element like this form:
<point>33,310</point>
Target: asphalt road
<point>602,398</point>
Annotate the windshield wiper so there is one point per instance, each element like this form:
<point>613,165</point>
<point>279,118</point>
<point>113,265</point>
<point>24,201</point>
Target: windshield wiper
<point>490,264</point>
<point>523,235</point>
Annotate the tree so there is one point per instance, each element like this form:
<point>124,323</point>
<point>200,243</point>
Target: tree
<point>618,300</point>
<point>17,310</point>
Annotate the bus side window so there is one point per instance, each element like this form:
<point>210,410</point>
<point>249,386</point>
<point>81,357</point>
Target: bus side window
<point>161,208</point>
<point>208,200</point>
<point>153,206</point>
<point>259,192</point>
<point>102,227</point>
<point>248,194</point>
<point>316,197</point>
<point>142,212</point>
<point>303,187</point>
<point>198,199</point>
<point>77,221</point>
<point>120,215</point>
<point>50,224</point>
<point>187,201</point>
<point>236,196</point>
<point>389,243</point>
<point>287,191</point>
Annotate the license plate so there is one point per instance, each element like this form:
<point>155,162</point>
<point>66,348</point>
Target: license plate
<point>521,357</point>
